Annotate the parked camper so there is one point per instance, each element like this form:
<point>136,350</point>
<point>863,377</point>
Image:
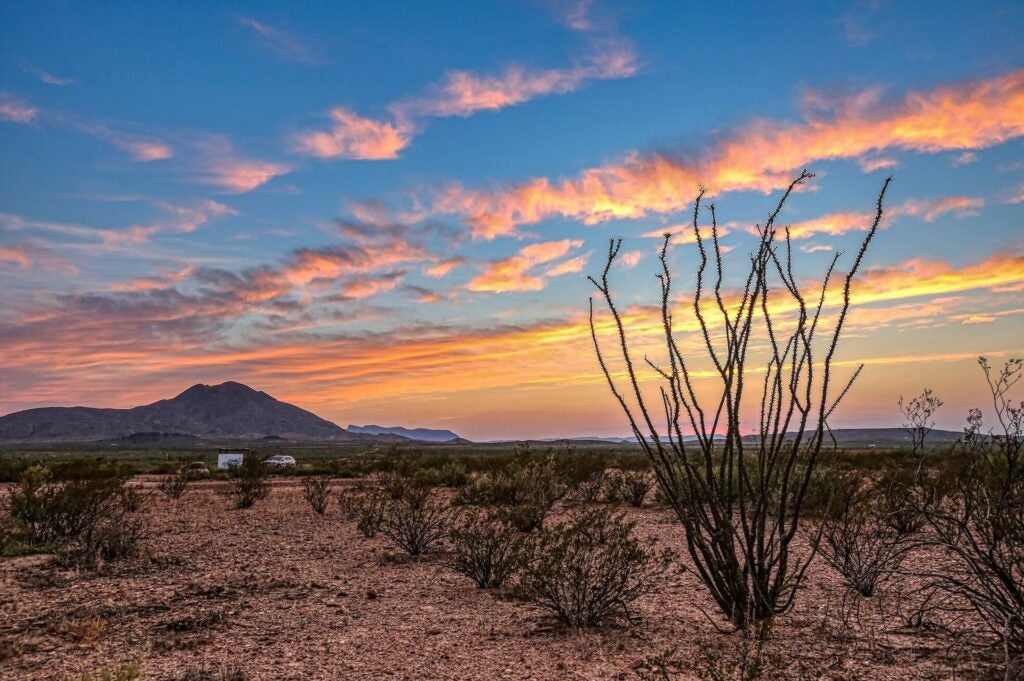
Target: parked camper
<point>226,458</point>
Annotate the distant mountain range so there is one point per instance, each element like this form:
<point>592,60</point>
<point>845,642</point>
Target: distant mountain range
<point>420,434</point>
<point>229,411</point>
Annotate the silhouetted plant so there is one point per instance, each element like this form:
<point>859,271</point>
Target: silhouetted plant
<point>739,496</point>
<point>979,522</point>
<point>486,548</point>
<point>855,538</point>
<point>249,481</point>
<point>918,416</point>
<point>317,490</point>
<point>588,569</point>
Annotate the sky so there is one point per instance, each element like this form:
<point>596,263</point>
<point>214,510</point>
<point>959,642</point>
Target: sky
<point>385,212</point>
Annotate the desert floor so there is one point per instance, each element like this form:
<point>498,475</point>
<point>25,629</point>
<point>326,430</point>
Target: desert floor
<point>278,592</point>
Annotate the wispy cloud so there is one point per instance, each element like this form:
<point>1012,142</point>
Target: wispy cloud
<point>280,42</point>
<point>460,93</point>
<point>518,273</point>
<point>762,156</point>
<point>16,110</point>
<point>927,210</point>
<point>223,167</point>
<point>355,137</point>
<point>45,76</point>
<point>28,254</point>
<point>140,148</point>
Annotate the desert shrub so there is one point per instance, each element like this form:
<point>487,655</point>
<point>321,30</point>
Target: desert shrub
<point>978,521</point>
<point>590,488</point>
<point>249,481</point>
<point>486,548</point>
<point>738,485</point>
<point>175,484</point>
<point>317,490</point>
<point>631,486</point>
<point>449,474</point>
<point>365,505</point>
<point>525,492</point>
<point>416,522</point>
<point>589,568</point>
<point>855,538</point>
<point>89,516</point>
<point>747,660</point>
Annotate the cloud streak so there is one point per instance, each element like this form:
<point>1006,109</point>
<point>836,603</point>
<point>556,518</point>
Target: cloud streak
<point>459,93</point>
<point>760,156</point>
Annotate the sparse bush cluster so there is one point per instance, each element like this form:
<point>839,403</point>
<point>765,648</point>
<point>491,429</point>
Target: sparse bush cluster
<point>87,514</point>
<point>862,536</point>
<point>525,493</point>
<point>249,481</point>
<point>588,569</point>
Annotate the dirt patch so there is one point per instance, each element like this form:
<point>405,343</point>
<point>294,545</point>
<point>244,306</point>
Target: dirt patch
<point>283,593</point>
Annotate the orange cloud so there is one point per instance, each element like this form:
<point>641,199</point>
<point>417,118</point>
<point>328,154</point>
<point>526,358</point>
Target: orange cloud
<point>514,274</point>
<point>570,266</point>
<point>222,167</point>
<point>355,137</point>
<point>460,93</point>
<point>463,93</point>
<point>761,156</point>
<point>631,259</point>
<point>442,268</point>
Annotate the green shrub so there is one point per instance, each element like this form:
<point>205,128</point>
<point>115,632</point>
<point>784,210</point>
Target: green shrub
<point>249,481</point>
<point>416,522</point>
<point>590,568</point>
<point>90,516</point>
<point>486,548</point>
<point>525,493</point>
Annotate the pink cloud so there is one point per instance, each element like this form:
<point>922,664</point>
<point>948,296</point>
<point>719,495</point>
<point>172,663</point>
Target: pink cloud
<point>15,110</point>
<point>352,136</point>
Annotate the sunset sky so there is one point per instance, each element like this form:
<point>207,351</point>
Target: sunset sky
<point>385,212</point>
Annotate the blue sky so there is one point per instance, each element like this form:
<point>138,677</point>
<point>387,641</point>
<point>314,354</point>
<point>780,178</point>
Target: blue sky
<point>247,190</point>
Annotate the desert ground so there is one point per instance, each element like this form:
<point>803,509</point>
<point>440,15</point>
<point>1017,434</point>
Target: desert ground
<point>279,592</point>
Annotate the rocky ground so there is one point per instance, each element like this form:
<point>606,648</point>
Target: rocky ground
<point>278,592</point>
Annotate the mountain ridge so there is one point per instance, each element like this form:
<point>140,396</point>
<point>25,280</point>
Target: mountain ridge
<point>229,410</point>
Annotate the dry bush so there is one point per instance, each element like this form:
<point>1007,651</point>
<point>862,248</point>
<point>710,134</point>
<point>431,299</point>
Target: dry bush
<point>174,485</point>
<point>87,513</point>
<point>317,490</point>
<point>588,569</point>
<point>365,505</point>
<point>590,488</point>
<point>739,496</point>
<point>416,522</point>
<point>917,414</point>
<point>486,548</point>
<point>855,537</point>
<point>978,520</point>
<point>525,492</point>
<point>249,481</point>
<point>629,486</point>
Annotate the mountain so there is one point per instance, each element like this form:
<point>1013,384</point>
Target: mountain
<point>421,434</point>
<point>230,411</point>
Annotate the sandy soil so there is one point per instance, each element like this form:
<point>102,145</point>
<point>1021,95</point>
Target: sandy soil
<point>282,593</point>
